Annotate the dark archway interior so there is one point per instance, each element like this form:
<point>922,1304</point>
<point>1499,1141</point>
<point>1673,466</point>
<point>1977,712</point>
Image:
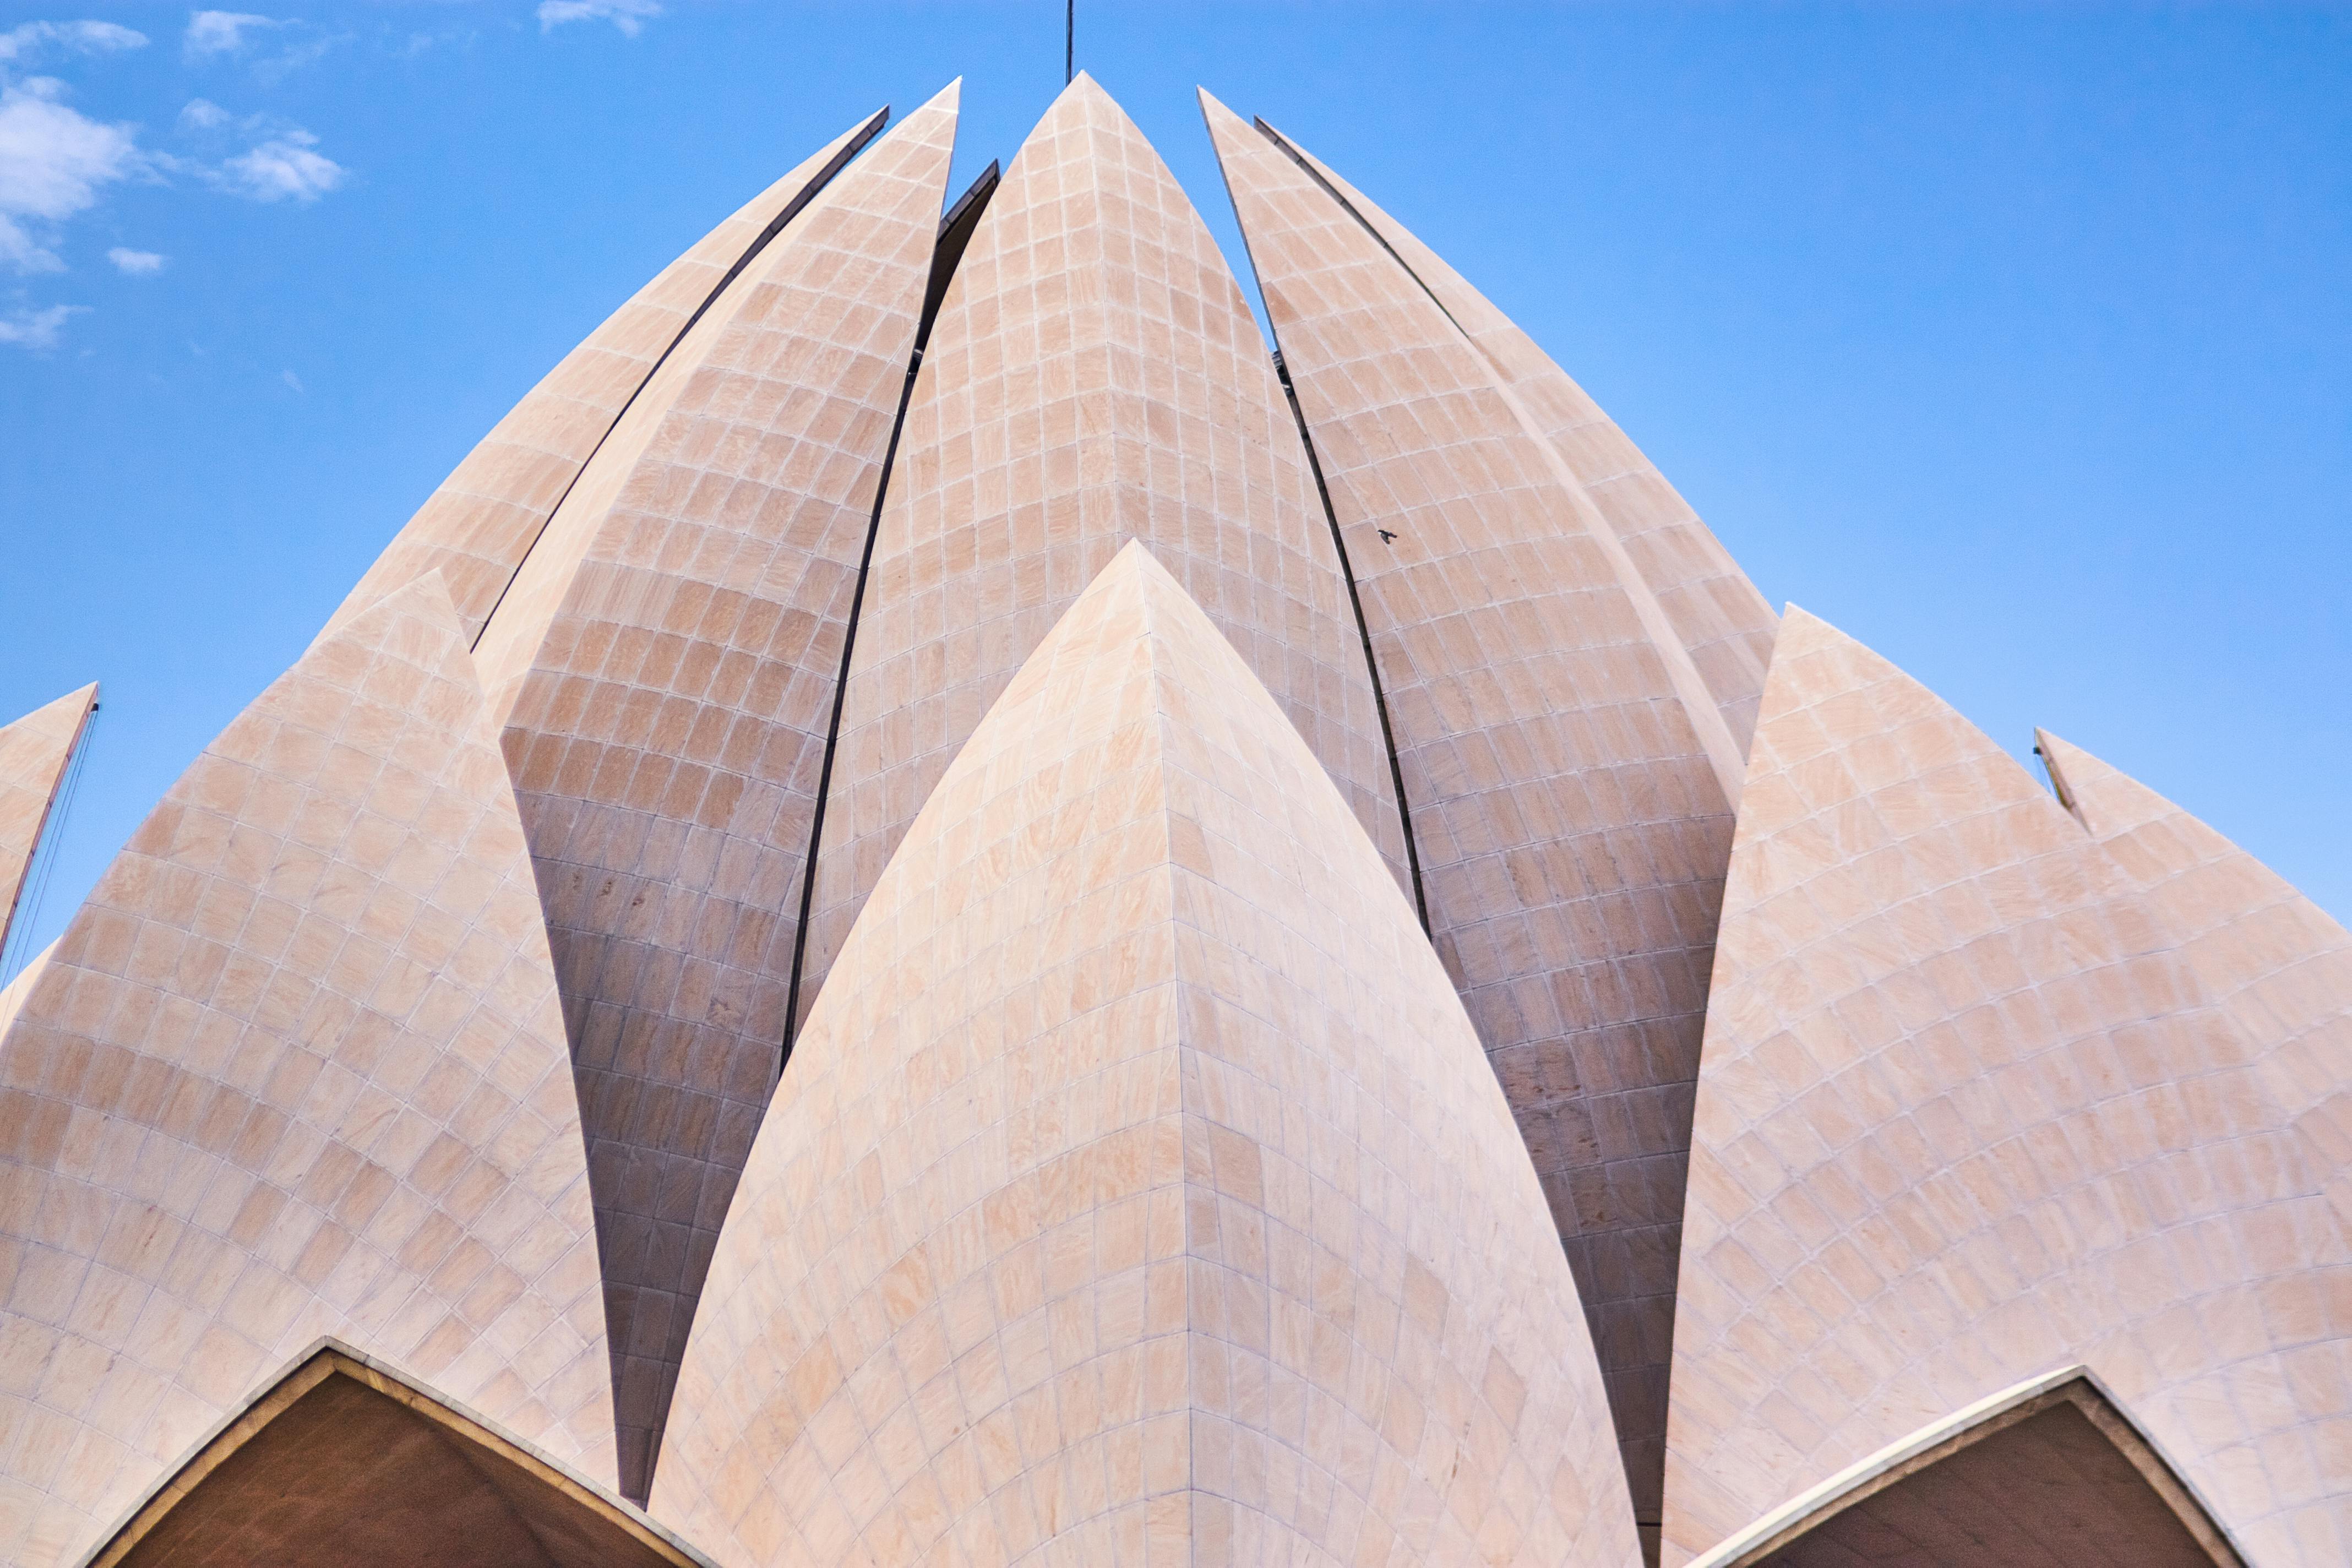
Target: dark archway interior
<point>346,1477</point>
<point>2050,1491</point>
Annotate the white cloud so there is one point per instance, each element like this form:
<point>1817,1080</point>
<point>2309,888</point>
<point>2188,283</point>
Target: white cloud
<point>283,168</point>
<point>37,329</point>
<point>56,161</point>
<point>53,161</point>
<point>283,165</point>
<point>213,33</point>
<point>626,14</point>
<point>21,44</point>
<point>290,379</point>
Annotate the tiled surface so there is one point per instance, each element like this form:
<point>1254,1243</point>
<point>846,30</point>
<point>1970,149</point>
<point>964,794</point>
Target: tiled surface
<point>1714,608</point>
<point>478,526</point>
<point>1964,1118</point>
<point>2049,1492</point>
<point>33,752</point>
<point>2269,957</point>
<point>665,666</point>
<point>13,995</point>
<point>295,1068</point>
<point>1095,376</point>
<point>1573,831</point>
<point>1137,1192</point>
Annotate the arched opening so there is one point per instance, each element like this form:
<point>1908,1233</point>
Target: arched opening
<point>344,1465</point>
<point>2052,1474</point>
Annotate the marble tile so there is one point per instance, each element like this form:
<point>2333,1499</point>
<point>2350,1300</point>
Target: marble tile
<point>1967,1115</point>
<point>1138,1191</point>
<point>1094,377</point>
<point>297,1068</point>
<point>663,669</point>
<point>1571,823</point>
<point>1714,611</point>
<point>480,524</point>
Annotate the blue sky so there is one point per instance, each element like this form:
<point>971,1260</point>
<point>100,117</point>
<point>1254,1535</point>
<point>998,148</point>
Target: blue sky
<point>2014,340</point>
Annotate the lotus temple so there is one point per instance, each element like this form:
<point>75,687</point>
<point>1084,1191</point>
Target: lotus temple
<point>935,914</point>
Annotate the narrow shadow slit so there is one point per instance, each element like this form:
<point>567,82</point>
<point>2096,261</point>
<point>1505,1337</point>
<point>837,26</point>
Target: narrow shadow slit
<point>955,233</point>
<point>1364,632</point>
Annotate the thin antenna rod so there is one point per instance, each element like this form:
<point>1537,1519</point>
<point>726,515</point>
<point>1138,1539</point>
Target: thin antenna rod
<point>1070,43</point>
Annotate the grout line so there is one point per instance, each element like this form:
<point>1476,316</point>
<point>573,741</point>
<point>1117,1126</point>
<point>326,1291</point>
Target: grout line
<point>1726,757</point>
<point>955,234</point>
<point>1347,567</point>
<point>1282,144</point>
<point>1363,631</point>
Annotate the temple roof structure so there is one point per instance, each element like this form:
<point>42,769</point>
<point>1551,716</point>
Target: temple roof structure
<point>938,911</point>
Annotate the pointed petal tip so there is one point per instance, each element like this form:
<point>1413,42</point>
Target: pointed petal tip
<point>1229,134</point>
<point>431,593</point>
<point>2057,760</point>
<point>1136,562</point>
<point>426,596</point>
<point>945,104</point>
<point>1221,120</point>
<point>2060,746</point>
<point>81,700</point>
<point>2073,769</point>
<point>1798,621</point>
<point>20,986</point>
<point>1083,86</point>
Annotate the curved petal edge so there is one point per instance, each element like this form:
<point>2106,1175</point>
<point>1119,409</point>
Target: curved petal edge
<point>296,1069</point>
<point>1965,1113</point>
<point>1137,1185</point>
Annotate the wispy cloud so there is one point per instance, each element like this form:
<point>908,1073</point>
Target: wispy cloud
<point>212,33</point>
<point>22,45</point>
<point>283,168</point>
<point>54,160</point>
<point>629,15</point>
<point>57,161</point>
<point>218,35</point>
<point>290,379</point>
<point>37,329</point>
<point>281,163</point>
